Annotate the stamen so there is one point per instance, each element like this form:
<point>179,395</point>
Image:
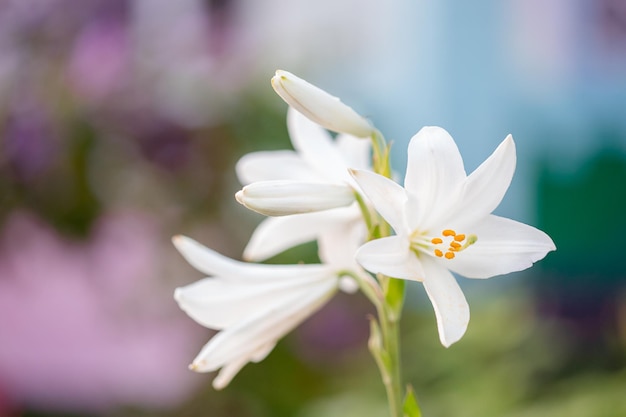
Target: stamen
<point>458,243</point>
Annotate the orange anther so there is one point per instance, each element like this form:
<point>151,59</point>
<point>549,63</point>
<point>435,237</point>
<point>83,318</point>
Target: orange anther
<point>437,240</point>
<point>455,245</point>
<point>438,253</point>
<point>449,255</point>
<point>448,232</point>
<point>459,237</point>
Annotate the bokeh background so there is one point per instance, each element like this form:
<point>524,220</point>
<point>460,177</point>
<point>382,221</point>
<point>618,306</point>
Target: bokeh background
<point>120,123</point>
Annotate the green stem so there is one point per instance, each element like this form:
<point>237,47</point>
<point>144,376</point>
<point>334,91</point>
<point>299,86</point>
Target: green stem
<point>389,317</point>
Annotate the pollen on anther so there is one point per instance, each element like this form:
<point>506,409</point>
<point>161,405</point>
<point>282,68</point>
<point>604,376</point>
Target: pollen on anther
<point>455,245</point>
<point>459,237</point>
<point>448,232</point>
<point>438,253</point>
<point>449,255</point>
<point>437,240</point>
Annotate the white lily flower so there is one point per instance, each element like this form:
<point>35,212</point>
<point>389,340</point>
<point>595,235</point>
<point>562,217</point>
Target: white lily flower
<point>443,222</point>
<point>319,106</point>
<point>316,158</point>
<point>252,305</point>
<point>284,197</point>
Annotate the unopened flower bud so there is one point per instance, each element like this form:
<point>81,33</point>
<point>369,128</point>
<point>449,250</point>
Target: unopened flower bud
<point>319,106</point>
<point>281,198</point>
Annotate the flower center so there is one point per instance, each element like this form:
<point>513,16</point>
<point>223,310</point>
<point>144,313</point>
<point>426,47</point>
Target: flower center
<point>444,246</point>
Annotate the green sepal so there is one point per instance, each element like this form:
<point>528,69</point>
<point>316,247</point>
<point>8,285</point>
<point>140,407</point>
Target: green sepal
<point>410,407</point>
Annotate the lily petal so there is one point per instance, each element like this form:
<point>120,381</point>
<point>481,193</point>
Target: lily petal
<point>390,256</point>
<point>434,173</point>
<point>218,302</point>
<point>212,263</point>
<point>451,308</point>
<point>485,187</point>
<point>356,152</point>
<point>319,106</point>
<point>503,246</point>
<point>273,165</point>
<point>387,197</point>
<point>315,145</point>
<point>246,338</point>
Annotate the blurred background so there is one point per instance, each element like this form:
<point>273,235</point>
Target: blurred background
<point>121,121</point>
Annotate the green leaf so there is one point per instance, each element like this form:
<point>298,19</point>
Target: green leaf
<point>410,407</point>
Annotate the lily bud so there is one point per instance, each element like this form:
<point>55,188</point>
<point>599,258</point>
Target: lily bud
<point>319,106</point>
<point>281,198</point>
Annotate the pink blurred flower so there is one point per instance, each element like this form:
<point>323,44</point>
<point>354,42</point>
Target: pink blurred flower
<point>87,326</point>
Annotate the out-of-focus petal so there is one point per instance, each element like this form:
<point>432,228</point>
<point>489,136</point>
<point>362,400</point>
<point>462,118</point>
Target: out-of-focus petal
<point>319,106</point>
<point>244,339</point>
<point>449,303</point>
<point>277,234</point>
<point>503,246</point>
<point>315,146</point>
<point>212,263</point>
<point>387,197</point>
<point>273,165</point>
<point>390,256</point>
<point>434,173</point>
<point>219,302</point>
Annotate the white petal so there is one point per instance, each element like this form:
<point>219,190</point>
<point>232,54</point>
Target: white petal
<point>387,197</point>
<point>228,372</point>
<point>390,256</point>
<point>315,146</point>
<point>319,106</point>
<point>273,165</point>
<point>338,245</point>
<point>219,302</point>
<point>246,338</point>
<point>356,152</point>
<point>485,187</point>
<point>503,246</point>
<point>212,263</point>
<point>451,309</point>
<point>282,198</point>
<point>434,173</point>
<point>277,234</point>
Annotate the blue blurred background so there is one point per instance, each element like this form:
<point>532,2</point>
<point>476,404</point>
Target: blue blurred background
<point>120,123</point>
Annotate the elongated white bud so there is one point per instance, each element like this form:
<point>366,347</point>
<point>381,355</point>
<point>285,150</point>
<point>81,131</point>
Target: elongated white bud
<point>281,198</point>
<point>319,106</point>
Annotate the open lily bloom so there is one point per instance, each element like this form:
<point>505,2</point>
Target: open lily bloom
<point>316,158</point>
<point>443,222</point>
<point>253,305</point>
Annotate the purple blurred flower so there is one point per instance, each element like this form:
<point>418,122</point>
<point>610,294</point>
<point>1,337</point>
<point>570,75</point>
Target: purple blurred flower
<point>100,62</point>
<point>87,327</point>
<point>29,140</point>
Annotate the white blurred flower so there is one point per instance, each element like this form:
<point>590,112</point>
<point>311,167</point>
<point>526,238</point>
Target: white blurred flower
<point>319,106</point>
<point>443,222</point>
<point>316,159</point>
<point>252,305</point>
<point>284,197</point>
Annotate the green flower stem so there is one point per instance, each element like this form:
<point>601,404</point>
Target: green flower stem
<point>387,294</point>
<point>389,318</point>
